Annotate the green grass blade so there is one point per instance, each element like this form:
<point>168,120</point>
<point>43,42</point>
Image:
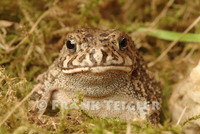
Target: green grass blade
<point>171,36</point>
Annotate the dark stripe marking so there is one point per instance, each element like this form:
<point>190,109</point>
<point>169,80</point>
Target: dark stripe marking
<point>81,58</point>
<point>103,40</point>
<point>104,56</point>
<point>35,96</point>
<point>69,64</point>
<point>103,34</point>
<point>89,35</point>
<point>92,59</point>
<point>115,57</point>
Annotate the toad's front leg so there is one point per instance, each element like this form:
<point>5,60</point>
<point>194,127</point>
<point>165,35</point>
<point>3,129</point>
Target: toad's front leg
<point>38,103</point>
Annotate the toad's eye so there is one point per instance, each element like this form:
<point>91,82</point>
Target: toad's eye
<point>123,43</point>
<point>71,44</point>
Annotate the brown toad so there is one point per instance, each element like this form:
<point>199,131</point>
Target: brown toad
<point>106,67</point>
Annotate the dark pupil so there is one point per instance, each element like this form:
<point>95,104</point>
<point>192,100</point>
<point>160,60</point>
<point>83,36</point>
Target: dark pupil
<point>70,45</point>
<point>123,43</point>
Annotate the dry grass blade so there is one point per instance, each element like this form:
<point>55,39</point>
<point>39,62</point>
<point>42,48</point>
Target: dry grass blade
<point>28,54</point>
<point>163,12</point>
<point>5,23</point>
<point>128,129</point>
<point>31,31</point>
<point>174,43</point>
<point>17,106</point>
<point>181,116</point>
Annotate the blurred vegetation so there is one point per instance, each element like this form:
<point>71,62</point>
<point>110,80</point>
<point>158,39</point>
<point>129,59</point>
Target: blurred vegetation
<point>31,35</point>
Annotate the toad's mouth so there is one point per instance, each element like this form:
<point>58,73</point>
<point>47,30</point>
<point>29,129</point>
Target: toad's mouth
<point>96,69</point>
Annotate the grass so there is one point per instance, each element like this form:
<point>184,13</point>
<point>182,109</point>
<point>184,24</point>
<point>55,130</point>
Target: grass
<point>172,36</point>
<point>31,35</point>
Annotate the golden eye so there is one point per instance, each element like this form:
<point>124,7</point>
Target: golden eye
<point>123,43</point>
